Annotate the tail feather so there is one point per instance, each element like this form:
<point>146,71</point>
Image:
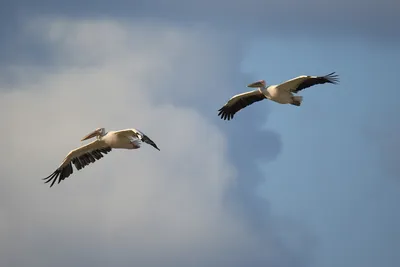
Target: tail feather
<point>296,100</point>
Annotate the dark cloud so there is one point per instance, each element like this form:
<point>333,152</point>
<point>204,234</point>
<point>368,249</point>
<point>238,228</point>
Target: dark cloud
<point>304,17</point>
<point>374,20</point>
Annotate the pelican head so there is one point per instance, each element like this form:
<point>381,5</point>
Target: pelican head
<point>257,84</point>
<point>96,133</point>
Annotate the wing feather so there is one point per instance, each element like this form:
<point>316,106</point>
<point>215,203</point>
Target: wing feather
<point>299,83</point>
<point>145,138</point>
<point>80,157</point>
<point>238,102</point>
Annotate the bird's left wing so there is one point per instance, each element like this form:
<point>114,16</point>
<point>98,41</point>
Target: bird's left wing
<point>80,157</point>
<point>301,82</point>
<point>239,102</point>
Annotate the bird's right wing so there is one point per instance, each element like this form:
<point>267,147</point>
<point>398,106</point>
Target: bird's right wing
<point>139,134</point>
<point>299,83</point>
<point>80,157</point>
<point>239,102</point>
<point>146,139</point>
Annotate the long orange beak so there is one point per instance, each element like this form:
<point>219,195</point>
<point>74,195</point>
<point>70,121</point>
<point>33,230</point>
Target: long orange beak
<point>91,135</point>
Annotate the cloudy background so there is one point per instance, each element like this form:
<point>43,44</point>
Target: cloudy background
<point>316,186</point>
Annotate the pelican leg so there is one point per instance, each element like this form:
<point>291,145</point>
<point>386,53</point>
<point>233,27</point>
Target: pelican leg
<point>296,100</point>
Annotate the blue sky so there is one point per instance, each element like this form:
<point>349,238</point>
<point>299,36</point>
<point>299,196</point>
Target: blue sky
<point>277,186</point>
<point>330,173</point>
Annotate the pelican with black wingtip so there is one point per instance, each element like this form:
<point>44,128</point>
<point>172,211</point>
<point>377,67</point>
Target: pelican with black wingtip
<point>280,93</point>
<point>95,150</point>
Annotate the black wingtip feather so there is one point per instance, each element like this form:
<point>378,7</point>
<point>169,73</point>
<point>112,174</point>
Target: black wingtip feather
<point>80,162</point>
<point>52,177</point>
<point>227,114</point>
<point>237,103</point>
<point>147,140</point>
<point>332,78</point>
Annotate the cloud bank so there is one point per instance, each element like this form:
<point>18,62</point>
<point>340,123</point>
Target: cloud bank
<point>177,207</point>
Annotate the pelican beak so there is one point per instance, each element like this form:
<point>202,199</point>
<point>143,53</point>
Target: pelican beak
<point>91,135</point>
<point>256,84</point>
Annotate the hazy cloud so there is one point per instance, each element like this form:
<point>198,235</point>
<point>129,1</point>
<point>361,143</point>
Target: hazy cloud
<point>178,207</point>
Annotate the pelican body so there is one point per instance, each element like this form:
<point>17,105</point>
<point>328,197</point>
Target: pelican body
<point>281,93</point>
<point>95,150</point>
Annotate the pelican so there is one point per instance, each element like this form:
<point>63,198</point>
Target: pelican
<point>281,93</point>
<point>104,143</point>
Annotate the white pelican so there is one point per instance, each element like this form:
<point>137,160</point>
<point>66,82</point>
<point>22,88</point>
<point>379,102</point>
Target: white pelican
<point>104,143</point>
<point>281,93</point>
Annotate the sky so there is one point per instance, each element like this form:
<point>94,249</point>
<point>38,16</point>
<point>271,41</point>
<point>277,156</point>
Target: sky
<point>284,186</point>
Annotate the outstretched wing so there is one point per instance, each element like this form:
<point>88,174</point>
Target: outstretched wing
<point>80,157</point>
<point>301,82</point>
<point>239,102</point>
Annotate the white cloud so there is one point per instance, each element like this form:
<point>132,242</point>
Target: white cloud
<point>137,208</point>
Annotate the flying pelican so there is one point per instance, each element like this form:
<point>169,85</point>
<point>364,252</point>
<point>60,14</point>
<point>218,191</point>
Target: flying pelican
<point>104,143</point>
<point>281,93</point>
